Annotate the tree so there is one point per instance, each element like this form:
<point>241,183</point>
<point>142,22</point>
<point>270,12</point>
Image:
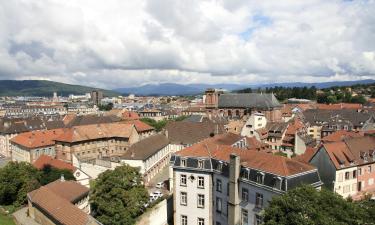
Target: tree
<point>16,180</point>
<point>107,107</point>
<point>307,206</point>
<point>158,125</point>
<point>118,196</point>
<point>50,174</point>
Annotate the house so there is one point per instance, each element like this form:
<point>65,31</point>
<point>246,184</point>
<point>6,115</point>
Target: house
<point>150,155</point>
<point>347,166</point>
<point>89,142</point>
<point>9,128</point>
<point>144,130</point>
<point>80,176</point>
<point>341,135</point>
<point>152,114</point>
<point>321,123</point>
<point>60,202</point>
<point>276,134</point>
<point>29,146</point>
<point>223,184</point>
<point>182,134</point>
<point>254,122</point>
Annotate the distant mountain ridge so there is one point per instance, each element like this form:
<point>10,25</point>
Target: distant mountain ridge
<point>44,88</point>
<point>169,89</point>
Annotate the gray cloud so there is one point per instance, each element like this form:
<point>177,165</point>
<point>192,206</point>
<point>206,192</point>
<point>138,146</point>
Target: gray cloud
<point>118,43</point>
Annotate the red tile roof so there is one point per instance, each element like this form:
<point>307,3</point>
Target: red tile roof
<point>37,139</point>
<point>56,163</point>
<point>56,198</point>
<point>140,126</point>
<point>305,157</point>
<point>339,154</point>
<point>249,158</point>
<point>341,135</point>
<point>339,106</point>
<point>130,115</point>
<point>96,131</point>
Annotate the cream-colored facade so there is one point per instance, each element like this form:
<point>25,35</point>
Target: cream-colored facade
<point>346,182</point>
<point>315,132</point>
<point>21,154</point>
<point>255,122</point>
<point>95,148</point>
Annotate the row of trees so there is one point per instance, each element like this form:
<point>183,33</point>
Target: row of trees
<point>159,125</point>
<point>283,93</point>
<point>307,206</point>
<point>17,179</point>
<point>337,97</point>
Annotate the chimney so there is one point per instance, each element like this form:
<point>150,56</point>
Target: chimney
<point>234,200</point>
<point>62,178</point>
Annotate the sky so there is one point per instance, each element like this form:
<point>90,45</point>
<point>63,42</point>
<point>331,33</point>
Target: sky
<point>124,43</point>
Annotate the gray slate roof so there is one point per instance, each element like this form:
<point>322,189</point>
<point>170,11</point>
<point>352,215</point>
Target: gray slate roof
<point>145,148</point>
<point>248,100</point>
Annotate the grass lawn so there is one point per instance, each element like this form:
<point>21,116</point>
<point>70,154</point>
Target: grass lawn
<point>6,220</point>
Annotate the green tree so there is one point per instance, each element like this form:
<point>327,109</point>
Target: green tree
<point>50,174</point>
<point>16,180</point>
<point>158,125</point>
<point>307,206</point>
<point>118,196</point>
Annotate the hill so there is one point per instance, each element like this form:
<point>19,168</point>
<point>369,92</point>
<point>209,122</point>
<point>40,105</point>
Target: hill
<point>193,89</point>
<point>44,88</point>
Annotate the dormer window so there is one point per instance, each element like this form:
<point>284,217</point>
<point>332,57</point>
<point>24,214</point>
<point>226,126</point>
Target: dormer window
<point>200,164</point>
<point>277,183</point>
<point>183,162</point>
<point>219,166</point>
<point>260,177</point>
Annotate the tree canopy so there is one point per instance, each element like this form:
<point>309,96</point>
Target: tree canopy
<point>19,178</point>
<point>118,196</point>
<point>307,206</point>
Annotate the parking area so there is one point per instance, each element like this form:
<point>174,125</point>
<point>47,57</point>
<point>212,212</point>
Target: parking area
<point>158,186</point>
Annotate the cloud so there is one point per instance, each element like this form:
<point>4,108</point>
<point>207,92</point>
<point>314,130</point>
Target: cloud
<point>118,43</point>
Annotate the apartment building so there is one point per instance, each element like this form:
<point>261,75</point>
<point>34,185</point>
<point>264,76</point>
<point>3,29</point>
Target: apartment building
<point>256,121</point>
<point>90,142</point>
<point>29,146</point>
<point>347,166</point>
<point>223,184</point>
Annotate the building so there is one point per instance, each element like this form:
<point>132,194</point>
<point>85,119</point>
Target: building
<point>29,146</point>
<point>89,142</point>
<point>276,134</point>
<point>150,155</point>
<point>96,97</point>
<point>80,176</point>
<point>237,105</point>
<point>11,127</point>
<point>144,130</point>
<point>221,184</point>
<point>152,114</point>
<point>347,166</point>
<point>256,121</point>
<point>60,202</point>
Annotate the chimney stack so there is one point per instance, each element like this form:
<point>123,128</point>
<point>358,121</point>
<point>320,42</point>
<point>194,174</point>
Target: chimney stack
<point>234,200</point>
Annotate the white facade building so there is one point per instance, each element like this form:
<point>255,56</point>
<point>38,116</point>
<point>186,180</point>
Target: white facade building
<point>255,122</point>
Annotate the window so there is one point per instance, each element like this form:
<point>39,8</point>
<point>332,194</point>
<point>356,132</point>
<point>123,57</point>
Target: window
<point>218,185</point>
<point>201,182</point>
<point>183,220</point>
<point>218,223</point>
<point>200,164</point>
<point>347,175</point>
<point>260,177</point>
<point>183,198</point>
<point>359,172</point>
<point>245,194</point>
<point>228,189</point>
<point>277,183</point>
<point>183,162</point>
<point>200,201</point>
<point>244,217</point>
<point>369,169</point>
<point>258,200</point>
<point>339,179</point>
<point>219,166</point>
<point>219,205</point>
<point>200,221</point>
<point>183,180</point>
<point>354,173</point>
<point>258,220</point>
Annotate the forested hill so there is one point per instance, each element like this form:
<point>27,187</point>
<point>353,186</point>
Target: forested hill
<point>44,88</point>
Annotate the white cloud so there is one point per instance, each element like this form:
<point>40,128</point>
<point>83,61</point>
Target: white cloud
<point>118,43</point>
